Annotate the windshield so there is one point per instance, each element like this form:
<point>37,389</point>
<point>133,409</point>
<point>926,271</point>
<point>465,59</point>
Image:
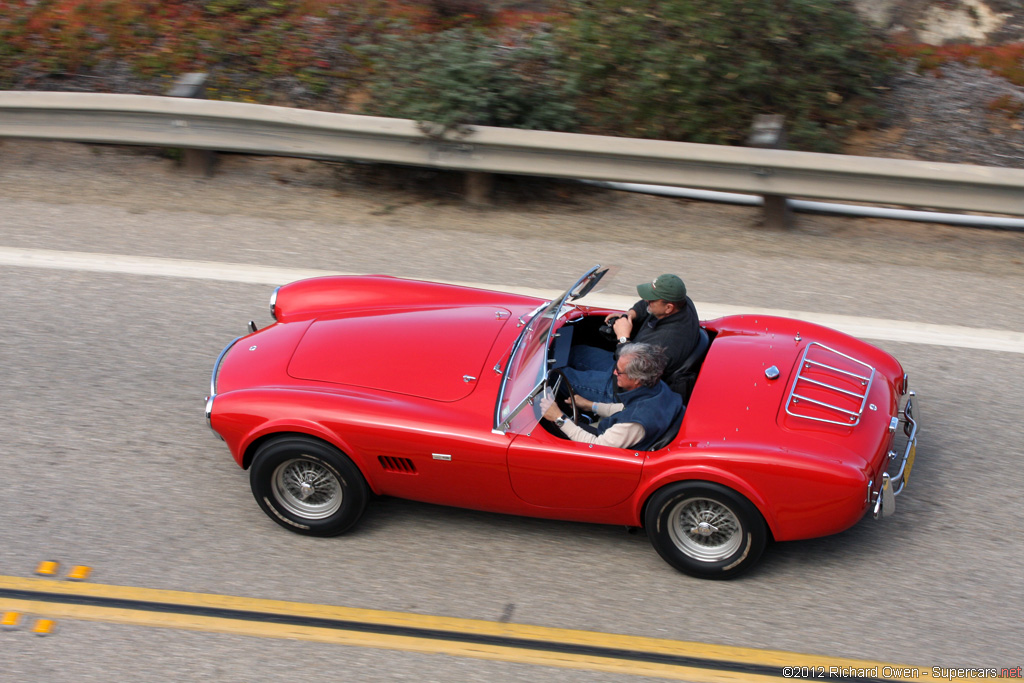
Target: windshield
<point>528,364</point>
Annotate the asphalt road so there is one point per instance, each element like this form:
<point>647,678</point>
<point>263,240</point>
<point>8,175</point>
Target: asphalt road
<point>107,461</point>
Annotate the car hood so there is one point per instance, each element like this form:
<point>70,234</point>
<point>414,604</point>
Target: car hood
<point>435,354</point>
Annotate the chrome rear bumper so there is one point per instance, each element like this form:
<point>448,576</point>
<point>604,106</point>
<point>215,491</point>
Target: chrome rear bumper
<point>893,485</point>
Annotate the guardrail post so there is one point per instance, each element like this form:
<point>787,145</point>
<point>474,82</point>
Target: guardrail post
<point>479,185</point>
<point>769,132</point>
<point>195,161</point>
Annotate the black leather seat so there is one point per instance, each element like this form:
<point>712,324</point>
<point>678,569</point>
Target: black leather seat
<point>685,375</point>
<point>686,372</point>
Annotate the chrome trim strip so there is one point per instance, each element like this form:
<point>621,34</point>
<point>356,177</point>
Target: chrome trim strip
<point>806,363</point>
<point>507,422</point>
<point>273,303</point>
<point>508,364</point>
<point>562,309</point>
<point>563,304</point>
<point>851,413</point>
<point>833,388</point>
<point>213,386</point>
<point>910,429</point>
<point>893,485</point>
<point>840,370</point>
<point>209,415</point>
<point>216,367</point>
<point>885,504</point>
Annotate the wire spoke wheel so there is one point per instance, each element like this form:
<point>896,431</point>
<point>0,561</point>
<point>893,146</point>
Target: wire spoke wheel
<point>705,529</point>
<point>307,485</point>
<point>306,488</point>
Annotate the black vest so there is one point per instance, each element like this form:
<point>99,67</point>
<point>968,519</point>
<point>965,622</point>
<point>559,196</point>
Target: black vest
<point>654,408</point>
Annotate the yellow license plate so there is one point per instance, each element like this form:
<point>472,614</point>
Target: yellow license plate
<point>910,462</point>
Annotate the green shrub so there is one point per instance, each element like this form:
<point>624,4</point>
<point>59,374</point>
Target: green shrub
<point>699,71</point>
<point>463,77</point>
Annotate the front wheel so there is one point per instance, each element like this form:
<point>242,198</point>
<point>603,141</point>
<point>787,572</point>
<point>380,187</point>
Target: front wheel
<point>705,530</point>
<point>307,486</point>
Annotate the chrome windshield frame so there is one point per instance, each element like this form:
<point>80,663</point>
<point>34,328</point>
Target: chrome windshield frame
<point>588,282</point>
<point>508,364</point>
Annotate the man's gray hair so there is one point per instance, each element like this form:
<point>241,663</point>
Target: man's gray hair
<point>644,362</point>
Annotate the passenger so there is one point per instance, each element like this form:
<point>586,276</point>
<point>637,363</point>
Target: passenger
<point>646,407</point>
<point>666,317</point>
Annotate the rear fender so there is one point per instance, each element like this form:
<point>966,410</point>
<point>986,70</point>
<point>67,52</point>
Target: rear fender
<point>715,475</point>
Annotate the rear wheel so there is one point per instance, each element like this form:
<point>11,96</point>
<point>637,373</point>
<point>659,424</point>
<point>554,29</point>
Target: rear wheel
<point>705,530</point>
<point>307,486</point>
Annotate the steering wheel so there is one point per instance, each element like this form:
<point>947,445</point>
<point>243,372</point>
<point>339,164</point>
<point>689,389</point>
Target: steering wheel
<point>559,383</point>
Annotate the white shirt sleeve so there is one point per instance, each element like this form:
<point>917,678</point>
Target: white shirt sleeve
<point>622,435</point>
<point>606,409</point>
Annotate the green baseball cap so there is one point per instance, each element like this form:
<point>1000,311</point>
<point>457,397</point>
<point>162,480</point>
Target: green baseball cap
<point>666,287</point>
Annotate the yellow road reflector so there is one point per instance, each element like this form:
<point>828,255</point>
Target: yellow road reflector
<point>10,620</point>
<point>79,573</point>
<point>43,627</point>
<point>47,568</point>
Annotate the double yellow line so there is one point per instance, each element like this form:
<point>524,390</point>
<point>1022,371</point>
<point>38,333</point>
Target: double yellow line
<point>677,660</point>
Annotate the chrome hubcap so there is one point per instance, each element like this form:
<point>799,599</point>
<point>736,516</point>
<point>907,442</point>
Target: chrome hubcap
<point>306,488</point>
<point>705,529</point>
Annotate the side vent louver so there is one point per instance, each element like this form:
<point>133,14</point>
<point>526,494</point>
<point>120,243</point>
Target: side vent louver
<point>401,465</point>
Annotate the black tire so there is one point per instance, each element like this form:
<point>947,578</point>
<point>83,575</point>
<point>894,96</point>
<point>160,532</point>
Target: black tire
<point>705,530</point>
<point>308,486</point>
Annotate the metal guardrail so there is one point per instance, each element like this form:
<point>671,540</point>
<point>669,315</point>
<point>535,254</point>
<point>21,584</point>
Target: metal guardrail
<point>280,131</point>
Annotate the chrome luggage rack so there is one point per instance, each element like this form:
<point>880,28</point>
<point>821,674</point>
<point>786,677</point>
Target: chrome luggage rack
<point>824,362</point>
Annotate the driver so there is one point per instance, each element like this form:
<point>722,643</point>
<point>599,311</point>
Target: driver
<point>665,316</point>
<point>647,407</point>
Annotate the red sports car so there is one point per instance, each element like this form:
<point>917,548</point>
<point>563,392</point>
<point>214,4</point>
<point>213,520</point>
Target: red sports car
<point>429,392</point>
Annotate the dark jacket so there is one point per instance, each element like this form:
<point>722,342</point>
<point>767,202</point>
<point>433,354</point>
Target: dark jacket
<point>678,334</point>
<point>655,408</point>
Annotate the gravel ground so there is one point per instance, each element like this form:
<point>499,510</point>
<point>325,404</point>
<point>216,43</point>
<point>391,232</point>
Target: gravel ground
<point>952,115</point>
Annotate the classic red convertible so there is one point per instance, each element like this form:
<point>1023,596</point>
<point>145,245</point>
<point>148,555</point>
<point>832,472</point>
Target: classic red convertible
<point>429,392</point>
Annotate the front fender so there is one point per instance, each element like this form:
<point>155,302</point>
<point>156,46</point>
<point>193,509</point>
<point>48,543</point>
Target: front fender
<point>281,427</point>
<point>243,420</point>
<point>247,444</point>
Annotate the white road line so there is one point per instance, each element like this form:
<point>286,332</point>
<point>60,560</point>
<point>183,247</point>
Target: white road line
<point>149,265</point>
<point>867,328</point>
